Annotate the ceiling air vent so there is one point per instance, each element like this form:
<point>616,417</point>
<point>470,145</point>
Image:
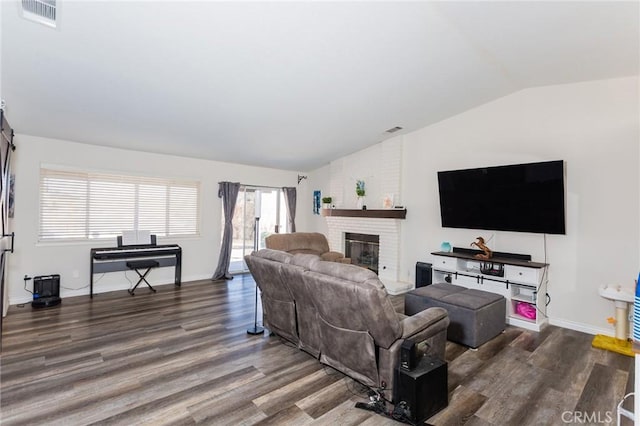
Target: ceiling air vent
<point>393,129</point>
<point>42,11</point>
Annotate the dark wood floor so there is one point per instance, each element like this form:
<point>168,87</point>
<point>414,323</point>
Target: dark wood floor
<point>182,356</point>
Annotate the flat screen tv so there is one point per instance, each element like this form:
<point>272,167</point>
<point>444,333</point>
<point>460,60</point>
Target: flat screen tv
<point>521,197</point>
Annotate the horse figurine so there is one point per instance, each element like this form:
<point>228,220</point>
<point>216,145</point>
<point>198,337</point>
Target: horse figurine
<point>486,250</point>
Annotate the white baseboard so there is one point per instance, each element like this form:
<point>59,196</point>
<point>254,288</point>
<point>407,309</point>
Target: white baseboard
<point>578,326</point>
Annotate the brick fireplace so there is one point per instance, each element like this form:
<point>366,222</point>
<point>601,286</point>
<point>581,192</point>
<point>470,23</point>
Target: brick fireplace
<point>380,166</point>
<point>362,249</point>
<point>388,232</point>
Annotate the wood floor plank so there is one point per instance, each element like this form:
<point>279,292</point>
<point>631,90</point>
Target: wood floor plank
<point>182,356</point>
<point>345,415</point>
<point>174,406</point>
<point>546,408</point>
<point>569,356</point>
<point>327,398</point>
<point>513,363</point>
<point>603,391</point>
<point>477,421</point>
<point>463,404</point>
<point>287,395</point>
<point>291,415</point>
<point>498,343</point>
<point>510,389</point>
<point>530,340</point>
<point>242,396</point>
<point>453,351</point>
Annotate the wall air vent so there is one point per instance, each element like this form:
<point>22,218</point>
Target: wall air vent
<point>42,11</point>
<point>393,129</point>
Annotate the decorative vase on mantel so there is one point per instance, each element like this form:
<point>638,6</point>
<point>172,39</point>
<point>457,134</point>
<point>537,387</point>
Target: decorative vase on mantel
<point>360,193</point>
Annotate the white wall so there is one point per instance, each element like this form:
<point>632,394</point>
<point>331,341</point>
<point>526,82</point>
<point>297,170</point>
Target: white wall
<point>318,179</point>
<point>71,260</point>
<point>379,166</point>
<point>594,127</point>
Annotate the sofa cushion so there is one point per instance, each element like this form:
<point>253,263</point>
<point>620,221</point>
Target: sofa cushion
<point>459,296</point>
<point>438,291</point>
<point>308,321</point>
<point>347,272</point>
<point>276,255</point>
<point>304,251</point>
<point>472,299</point>
<point>304,260</point>
<point>353,298</point>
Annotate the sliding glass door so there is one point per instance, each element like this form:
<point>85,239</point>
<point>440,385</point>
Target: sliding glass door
<point>273,219</point>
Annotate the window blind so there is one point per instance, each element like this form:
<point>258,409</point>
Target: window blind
<point>85,205</point>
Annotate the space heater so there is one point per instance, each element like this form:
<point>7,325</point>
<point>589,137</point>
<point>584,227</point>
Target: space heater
<point>46,291</point>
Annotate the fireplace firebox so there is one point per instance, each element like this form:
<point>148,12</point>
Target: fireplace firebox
<point>363,249</point>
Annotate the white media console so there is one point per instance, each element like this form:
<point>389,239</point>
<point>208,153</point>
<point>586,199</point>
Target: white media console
<point>519,281</point>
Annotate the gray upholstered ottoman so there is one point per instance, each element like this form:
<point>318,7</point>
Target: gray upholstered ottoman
<point>475,316</point>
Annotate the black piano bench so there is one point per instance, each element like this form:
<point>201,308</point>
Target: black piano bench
<point>138,265</point>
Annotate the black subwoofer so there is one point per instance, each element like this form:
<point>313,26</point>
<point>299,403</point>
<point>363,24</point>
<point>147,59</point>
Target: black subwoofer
<point>46,291</point>
<point>423,389</point>
<point>423,274</point>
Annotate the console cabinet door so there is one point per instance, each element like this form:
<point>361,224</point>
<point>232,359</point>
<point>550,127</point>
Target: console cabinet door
<point>520,274</point>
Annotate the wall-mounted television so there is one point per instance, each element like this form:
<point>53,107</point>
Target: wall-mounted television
<point>520,197</point>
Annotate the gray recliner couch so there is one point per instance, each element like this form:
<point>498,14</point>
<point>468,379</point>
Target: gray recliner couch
<point>341,314</point>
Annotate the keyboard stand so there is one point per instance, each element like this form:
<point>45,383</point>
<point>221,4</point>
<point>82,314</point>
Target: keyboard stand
<point>114,259</point>
<point>137,265</point>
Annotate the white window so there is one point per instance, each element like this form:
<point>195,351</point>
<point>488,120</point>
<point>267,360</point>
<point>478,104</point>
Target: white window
<point>85,205</point>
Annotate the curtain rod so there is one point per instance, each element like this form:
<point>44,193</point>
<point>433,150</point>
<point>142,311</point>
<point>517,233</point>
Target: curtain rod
<point>246,185</point>
<point>259,186</point>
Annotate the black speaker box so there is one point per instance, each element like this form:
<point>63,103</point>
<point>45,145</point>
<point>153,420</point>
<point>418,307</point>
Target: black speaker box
<point>411,353</point>
<point>423,389</point>
<point>46,291</point>
<point>408,355</point>
<point>423,274</point>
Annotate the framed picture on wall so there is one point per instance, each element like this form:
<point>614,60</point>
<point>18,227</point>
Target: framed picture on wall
<point>316,201</point>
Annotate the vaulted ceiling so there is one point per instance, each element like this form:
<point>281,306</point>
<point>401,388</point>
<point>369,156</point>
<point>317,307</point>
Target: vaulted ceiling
<point>291,85</point>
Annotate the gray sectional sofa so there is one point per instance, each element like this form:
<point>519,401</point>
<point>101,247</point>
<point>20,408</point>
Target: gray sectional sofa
<point>341,314</point>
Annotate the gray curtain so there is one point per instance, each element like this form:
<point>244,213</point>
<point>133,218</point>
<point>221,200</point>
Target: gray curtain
<point>290,197</point>
<point>228,191</point>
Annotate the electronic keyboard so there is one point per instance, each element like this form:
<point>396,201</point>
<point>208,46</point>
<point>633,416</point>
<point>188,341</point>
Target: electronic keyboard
<point>113,259</point>
<point>133,251</point>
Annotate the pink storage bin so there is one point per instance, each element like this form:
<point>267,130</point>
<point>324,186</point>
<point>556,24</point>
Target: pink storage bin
<point>527,310</point>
